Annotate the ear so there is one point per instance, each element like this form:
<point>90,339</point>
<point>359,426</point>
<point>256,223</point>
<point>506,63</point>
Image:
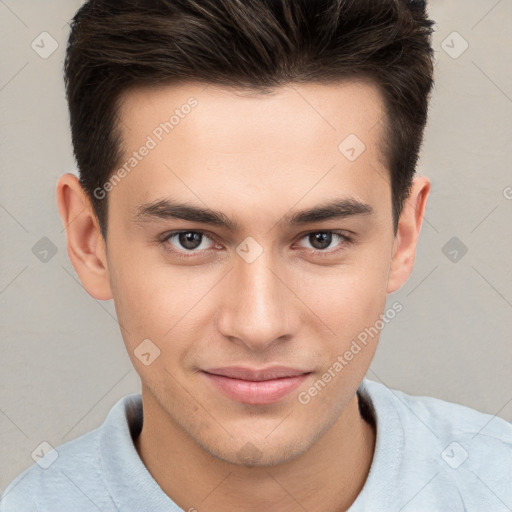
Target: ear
<point>85,244</point>
<point>409,225</point>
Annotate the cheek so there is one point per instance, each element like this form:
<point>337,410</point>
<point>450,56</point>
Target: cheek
<point>348,297</point>
<point>350,300</point>
<point>351,306</point>
<point>157,301</point>
<point>148,308</point>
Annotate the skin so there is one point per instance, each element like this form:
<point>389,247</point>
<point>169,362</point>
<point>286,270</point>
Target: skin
<point>256,158</point>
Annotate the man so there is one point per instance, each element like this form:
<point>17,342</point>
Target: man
<point>247,198</point>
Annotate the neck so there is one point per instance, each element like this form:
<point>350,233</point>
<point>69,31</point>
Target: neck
<point>328,477</point>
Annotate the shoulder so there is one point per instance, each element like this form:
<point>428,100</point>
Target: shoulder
<point>57,471</point>
<point>457,453</point>
<point>441,418</point>
<point>70,476</point>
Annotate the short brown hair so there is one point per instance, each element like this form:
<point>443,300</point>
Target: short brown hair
<point>258,44</point>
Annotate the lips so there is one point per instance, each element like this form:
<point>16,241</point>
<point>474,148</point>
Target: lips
<point>275,372</point>
<point>256,386</point>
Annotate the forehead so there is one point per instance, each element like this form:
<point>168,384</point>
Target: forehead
<point>349,106</point>
<point>297,138</point>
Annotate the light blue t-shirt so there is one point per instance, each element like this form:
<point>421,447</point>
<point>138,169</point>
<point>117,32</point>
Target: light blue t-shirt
<point>430,456</point>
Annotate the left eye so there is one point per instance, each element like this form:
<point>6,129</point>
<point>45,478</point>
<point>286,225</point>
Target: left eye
<point>321,240</point>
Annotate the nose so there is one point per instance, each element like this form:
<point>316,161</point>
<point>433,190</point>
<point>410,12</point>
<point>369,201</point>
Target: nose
<point>258,310</point>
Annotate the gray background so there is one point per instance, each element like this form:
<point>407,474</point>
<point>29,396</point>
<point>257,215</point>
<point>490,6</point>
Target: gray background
<point>63,363</point>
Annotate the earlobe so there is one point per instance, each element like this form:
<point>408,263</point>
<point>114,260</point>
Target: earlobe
<point>85,244</point>
<point>409,226</point>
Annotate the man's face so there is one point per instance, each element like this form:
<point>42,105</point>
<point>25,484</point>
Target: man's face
<point>270,292</point>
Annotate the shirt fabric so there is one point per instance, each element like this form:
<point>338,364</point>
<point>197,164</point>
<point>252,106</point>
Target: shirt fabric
<point>430,456</point>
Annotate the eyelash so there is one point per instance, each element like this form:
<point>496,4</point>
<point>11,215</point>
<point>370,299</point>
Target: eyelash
<point>346,240</point>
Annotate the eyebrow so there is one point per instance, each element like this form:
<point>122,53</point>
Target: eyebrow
<point>167,209</point>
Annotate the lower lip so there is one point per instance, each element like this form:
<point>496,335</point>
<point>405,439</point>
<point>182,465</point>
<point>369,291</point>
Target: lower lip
<point>256,392</point>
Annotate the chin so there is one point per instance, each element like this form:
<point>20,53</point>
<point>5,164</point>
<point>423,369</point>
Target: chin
<point>259,453</point>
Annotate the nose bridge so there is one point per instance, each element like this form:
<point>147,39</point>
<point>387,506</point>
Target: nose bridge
<point>255,309</point>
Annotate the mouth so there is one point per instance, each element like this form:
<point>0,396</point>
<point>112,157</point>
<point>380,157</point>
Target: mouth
<point>256,386</point>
